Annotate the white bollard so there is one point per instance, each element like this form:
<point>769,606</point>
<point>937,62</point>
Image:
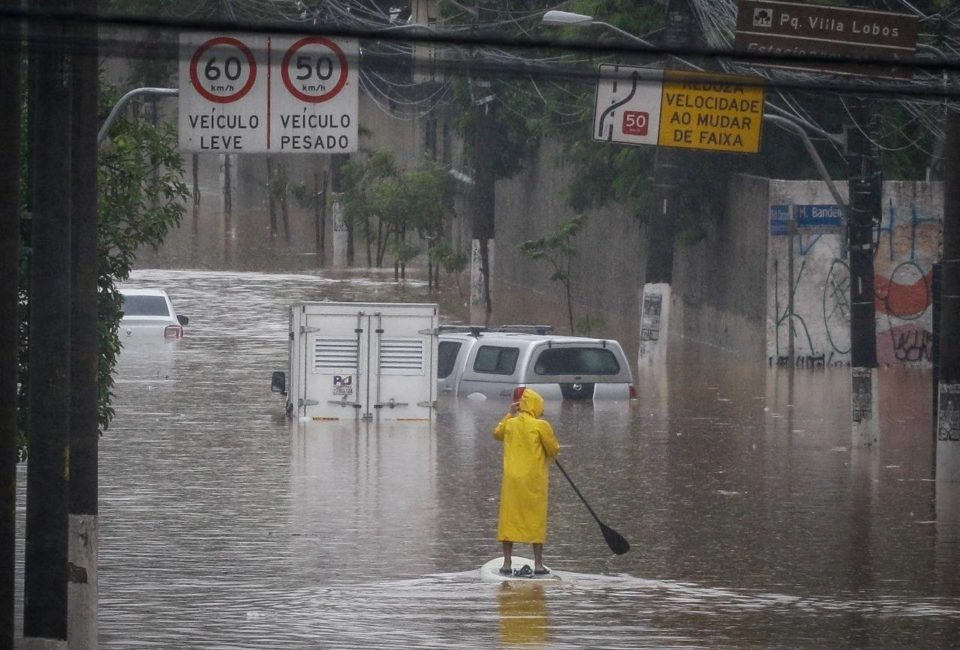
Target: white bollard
<point>864,404</point>
<point>654,324</point>
<point>82,587</point>
<point>948,433</point>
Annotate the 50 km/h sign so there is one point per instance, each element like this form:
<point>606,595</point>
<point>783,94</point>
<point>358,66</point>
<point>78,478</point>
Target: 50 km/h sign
<point>259,95</point>
<point>314,108</point>
<point>690,110</point>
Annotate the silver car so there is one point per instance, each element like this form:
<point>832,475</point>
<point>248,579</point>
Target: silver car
<point>497,364</point>
<point>149,314</point>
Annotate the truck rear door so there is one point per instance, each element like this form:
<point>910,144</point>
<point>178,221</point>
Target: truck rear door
<point>368,361</point>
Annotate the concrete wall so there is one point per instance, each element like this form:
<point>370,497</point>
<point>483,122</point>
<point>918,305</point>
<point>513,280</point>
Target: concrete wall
<point>718,283</point>
<point>908,244</point>
<point>605,272</point>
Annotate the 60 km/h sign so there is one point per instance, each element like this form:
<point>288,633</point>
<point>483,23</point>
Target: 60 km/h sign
<point>223,81</point>
<point>260,95</point>
<point>690,110</point>
<point>223,70</point>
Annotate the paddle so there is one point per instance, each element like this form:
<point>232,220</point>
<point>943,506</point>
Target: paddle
<point>617,543</point>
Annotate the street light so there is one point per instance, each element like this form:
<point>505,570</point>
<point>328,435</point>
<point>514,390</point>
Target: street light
<point>562,18</point>
<point>569,19</point>
<point>556,18</point>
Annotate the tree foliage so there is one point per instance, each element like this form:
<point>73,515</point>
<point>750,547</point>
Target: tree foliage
<point>383,202</point>
<point>557,249</point>
<point>620,175</point>
<point>141,197</point>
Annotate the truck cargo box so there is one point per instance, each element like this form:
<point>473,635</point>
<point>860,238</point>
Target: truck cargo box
<point>353,360</point>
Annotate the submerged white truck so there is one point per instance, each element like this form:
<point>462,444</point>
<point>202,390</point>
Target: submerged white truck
<point>361,361</point>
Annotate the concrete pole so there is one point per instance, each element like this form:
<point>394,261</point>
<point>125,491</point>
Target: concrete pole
<point>948,404</point>
<point>484,145</point>
<point>48,430</point>
<point>340,234</point>
<point>84,344</point>
<point>864,211</point>
<point>9,275</point>
<point>484,203</point>
<point>656,296</point>
<point>227,184</point>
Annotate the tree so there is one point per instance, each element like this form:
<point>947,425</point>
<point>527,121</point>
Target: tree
<point>557,249</point>
<point>360,179</point>
<point>429,191</point>
<point>453,261</point>
<point>142,196</point>
<point>384,202</point>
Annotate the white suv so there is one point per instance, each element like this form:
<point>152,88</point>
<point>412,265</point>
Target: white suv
<point>148,313</point>
<point>494,364</point>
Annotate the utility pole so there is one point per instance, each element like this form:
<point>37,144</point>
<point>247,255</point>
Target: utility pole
<point>320,217</point>
<point>227,209</point>
<point>342,231</point>
<point>45,556</point>
<point>9,275</point>
<point>485,183</point>
<point>84,342</point>
<point>864,212</point>
<point>948,404</point>
<point>656,295</point>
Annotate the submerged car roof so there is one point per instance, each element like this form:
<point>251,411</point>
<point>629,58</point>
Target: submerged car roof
<point>143,292</point>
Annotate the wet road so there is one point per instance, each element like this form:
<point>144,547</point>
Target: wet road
<point>753,523</point>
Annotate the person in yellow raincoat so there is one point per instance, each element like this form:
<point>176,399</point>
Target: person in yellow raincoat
<point>529,444</point>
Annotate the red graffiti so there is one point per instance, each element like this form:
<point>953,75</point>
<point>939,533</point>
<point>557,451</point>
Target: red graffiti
<point>902,300</point>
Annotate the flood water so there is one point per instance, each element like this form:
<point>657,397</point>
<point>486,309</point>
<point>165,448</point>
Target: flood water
<point>752,521</point>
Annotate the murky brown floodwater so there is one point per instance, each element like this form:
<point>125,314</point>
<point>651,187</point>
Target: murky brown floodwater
<point>753,523</point>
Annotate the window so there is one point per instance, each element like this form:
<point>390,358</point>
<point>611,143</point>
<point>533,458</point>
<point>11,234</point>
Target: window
<point>446,357</point>
<point>496,360</point>
<point>145,306</point>
<point>576,361</point>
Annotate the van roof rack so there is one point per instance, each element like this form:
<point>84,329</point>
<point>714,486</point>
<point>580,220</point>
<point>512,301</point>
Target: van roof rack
<point>526,329</point>
<point>473,330</point>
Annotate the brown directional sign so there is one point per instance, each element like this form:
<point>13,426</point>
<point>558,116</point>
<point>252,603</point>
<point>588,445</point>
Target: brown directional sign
<point>792,28</point>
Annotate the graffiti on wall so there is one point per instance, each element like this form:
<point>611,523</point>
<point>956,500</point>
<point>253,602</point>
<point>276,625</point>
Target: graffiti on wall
<point>901,300</point>
<point>813,307</point>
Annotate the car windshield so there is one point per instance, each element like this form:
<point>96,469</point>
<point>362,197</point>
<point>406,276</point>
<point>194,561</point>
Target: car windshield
<point>576,361</point>
<point>145,306</point>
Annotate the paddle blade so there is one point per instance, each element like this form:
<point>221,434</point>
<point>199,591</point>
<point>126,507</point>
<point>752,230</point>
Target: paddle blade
<point>617,543</point>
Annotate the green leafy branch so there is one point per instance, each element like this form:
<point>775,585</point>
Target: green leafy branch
<point>557,249</point>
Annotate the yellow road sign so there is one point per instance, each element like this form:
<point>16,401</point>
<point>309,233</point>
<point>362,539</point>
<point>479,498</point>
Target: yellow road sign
<point>715,112</point>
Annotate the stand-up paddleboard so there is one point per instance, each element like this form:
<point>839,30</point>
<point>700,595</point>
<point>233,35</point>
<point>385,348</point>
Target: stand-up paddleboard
<point>491,571</point>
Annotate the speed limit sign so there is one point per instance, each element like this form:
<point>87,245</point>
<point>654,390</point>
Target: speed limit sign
<point>314,99</point>
<point>223,70</point>
<point>315,69</point>
<point>223,93</point>
<point>253,94</point>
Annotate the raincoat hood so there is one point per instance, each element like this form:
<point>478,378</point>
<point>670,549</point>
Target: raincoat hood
<point>531,402</point>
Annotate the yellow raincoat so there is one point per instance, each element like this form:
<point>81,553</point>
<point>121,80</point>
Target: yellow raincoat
<point>529,444</point>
